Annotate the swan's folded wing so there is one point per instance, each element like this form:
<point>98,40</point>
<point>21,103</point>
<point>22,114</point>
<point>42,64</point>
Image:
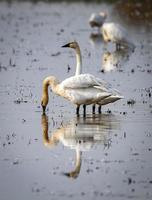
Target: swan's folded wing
<point>80,81</point>
<point>103,83</point>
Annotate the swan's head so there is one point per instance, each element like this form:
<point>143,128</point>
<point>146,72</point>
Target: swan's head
<point>44,102</point>
<point>51,80</point>
<point>73,45</point>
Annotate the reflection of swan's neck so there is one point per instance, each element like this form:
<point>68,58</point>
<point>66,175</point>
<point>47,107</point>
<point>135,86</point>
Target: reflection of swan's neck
<point>44,121</point>
<point>79,61</point>
<point>76,171</point>
<point>78,160</point>
<point>48,142</point>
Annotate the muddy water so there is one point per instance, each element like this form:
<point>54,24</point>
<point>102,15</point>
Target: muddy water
<point>107,156</point>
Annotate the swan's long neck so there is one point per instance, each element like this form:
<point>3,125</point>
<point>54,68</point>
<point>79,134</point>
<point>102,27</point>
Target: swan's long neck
<point>52,81</point>
<point>79,62</point>
<point>48,141</point>
<point>45,88</point>
<point>45,96</point>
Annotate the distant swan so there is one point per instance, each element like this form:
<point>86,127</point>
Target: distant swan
<point>91,80</point>
<point>97,20</point>
<point>80,90</point>
<point>113,32</point>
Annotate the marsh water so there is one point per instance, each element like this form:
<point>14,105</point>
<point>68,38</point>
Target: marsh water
<point>57,155</point>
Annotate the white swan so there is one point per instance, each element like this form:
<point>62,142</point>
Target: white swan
<point>97,20</point>
<point>78,89</point>
<point>89,79</point>
<point>113,32</point>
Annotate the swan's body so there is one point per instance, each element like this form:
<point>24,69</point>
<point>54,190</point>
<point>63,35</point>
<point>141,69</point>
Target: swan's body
<point>113,32</point>
<point>88,80</point>
<point>74,90</point>
<point>97,20</point>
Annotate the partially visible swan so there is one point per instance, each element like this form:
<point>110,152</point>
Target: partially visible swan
<point>97,20</point>
<point>80,134</point>
<point>113,32</point>
<point>80,90</point>
<point>89,79</point>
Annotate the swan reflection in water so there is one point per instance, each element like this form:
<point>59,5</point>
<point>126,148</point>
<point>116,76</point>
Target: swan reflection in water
<point>113,60</point>
<point>81,134</point>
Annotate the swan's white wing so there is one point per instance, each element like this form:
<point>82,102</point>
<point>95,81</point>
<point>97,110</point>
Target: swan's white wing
<point>107,87</point>
<point>110,99</point>
<point>85,95</point>
<point>86,81</point>
<point>114,31</point>
<point>81,81</point>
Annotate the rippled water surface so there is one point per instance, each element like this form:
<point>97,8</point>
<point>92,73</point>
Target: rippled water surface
<point>57,155</point>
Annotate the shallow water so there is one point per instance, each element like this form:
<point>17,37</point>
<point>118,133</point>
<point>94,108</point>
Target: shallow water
<point>37,152</point>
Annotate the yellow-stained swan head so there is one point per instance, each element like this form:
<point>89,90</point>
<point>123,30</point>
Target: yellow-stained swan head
<point>50,80</point>
<point>73,45</point>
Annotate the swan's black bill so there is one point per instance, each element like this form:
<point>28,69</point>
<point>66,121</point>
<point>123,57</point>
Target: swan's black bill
<point>70,174</point>
<point>44,108</point>
<point>66,45</point>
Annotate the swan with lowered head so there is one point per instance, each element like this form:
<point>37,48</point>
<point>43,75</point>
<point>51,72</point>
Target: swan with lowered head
<point>92,80</point>
<point>97,20</point>
<point>79,90</point>
<point>113,32</point>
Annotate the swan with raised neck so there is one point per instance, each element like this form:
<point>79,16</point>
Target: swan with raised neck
<point>74,45</point>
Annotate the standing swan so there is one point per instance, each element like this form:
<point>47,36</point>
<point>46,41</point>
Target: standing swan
<point>113,32</point>
<point>92,80</point>
<point>75,89</point>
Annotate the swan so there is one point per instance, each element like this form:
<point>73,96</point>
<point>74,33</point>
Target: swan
<point>97,20</point>
<point>79,90</point>
<point>92,80</point>
<point>113,32</point>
